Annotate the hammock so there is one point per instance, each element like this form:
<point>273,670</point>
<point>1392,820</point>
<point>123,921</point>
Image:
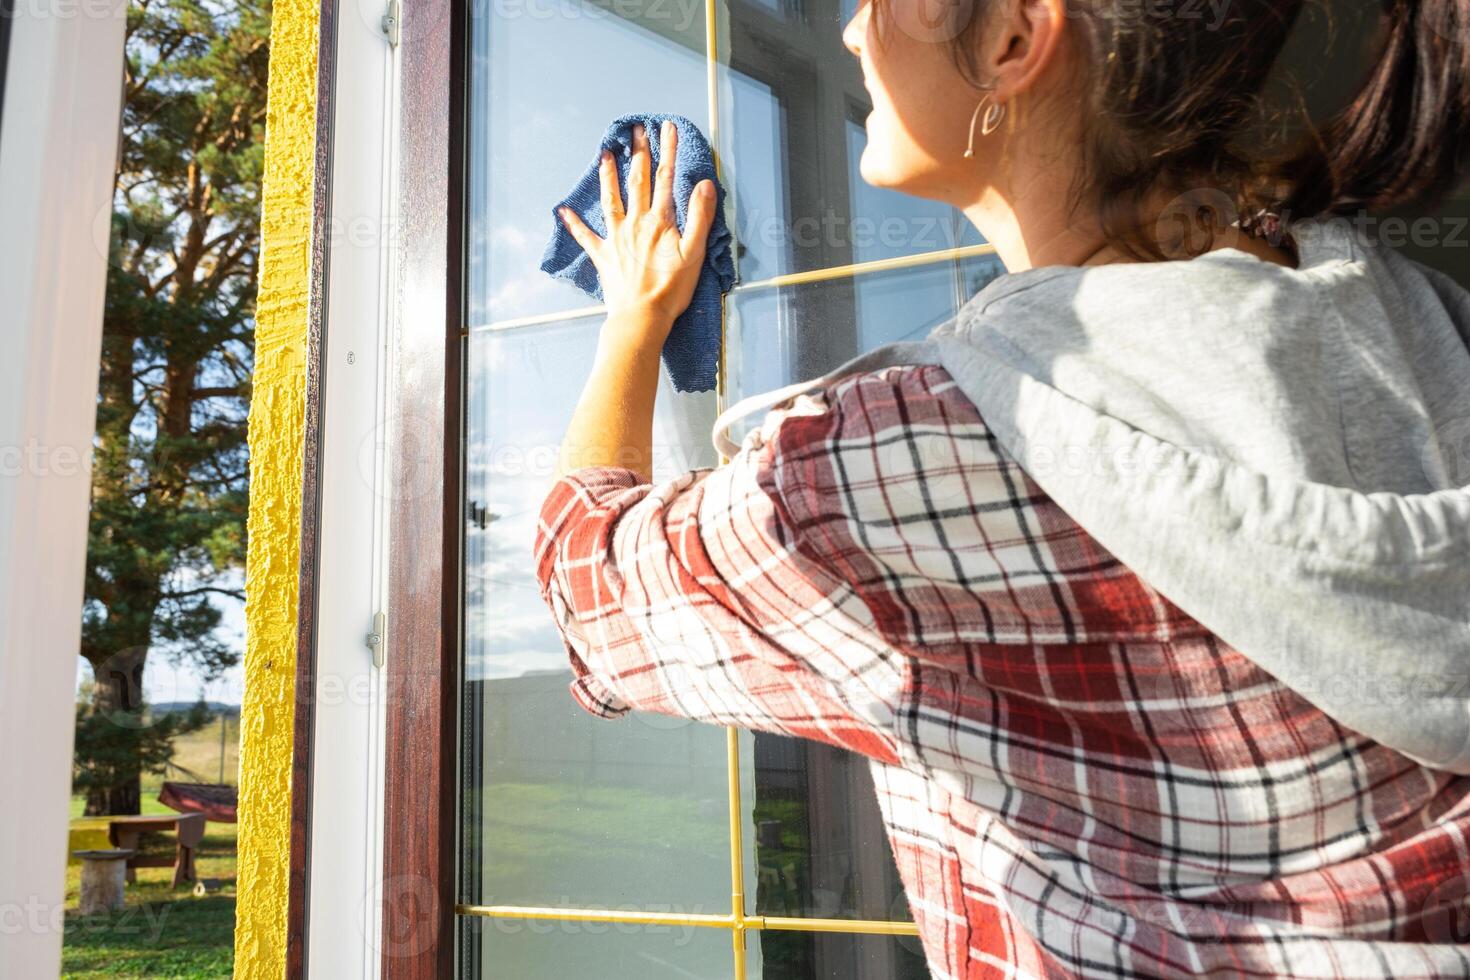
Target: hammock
<point>217,802</point>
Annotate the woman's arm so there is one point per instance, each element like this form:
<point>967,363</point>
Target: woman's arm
<point>613,421</point>
<point>648,270</point>
<point>611,549</point>
<point>684,598</point>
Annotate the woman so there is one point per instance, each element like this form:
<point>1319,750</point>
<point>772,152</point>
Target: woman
<point>1145,582</point>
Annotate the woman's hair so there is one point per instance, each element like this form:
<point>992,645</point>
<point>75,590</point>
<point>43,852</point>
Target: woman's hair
<point>1174,98</point>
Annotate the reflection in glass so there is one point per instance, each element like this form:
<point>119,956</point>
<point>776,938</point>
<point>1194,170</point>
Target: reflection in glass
<point>792,106</point>
<point>559,808</point>
<point>888,224</point>
<point>777,336</point>
<point>796,73</point>
<point>521,949</point>
<point>557,805</point>
<point>755,179</point>
<point>815,842</point>
<point>533,128</point>
<point>836,956</point>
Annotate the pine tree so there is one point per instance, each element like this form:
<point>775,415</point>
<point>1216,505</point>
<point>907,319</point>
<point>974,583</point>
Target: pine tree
<point>169,479</point>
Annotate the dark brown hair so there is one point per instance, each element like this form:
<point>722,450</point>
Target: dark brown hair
<point>1174,99</point>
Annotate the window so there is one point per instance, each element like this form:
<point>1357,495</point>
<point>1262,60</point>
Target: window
<point>654,847</point>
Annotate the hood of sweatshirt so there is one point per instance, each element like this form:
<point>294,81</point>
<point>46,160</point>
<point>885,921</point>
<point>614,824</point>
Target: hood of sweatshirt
<point>1283,453</point>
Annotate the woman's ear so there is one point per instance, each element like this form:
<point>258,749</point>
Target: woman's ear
<point>1022,44</point>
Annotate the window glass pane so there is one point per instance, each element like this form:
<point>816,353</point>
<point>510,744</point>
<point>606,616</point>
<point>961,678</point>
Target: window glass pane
<point>978,272</point>
<point>776,336</point>
<point>561,808</point>
<point>835,956</point>
<point>815,846</point>
<point>521,949</point>
<point>756,178</point>
<point>792,107</point>
<point>887,224</point>
<point>546,77</point>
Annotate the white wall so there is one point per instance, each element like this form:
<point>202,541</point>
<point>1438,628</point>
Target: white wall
<point>58,148</point>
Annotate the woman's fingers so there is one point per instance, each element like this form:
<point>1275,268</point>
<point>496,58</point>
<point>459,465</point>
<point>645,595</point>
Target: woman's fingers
<point>641,260</point>
<point>701,216</point>
<point>612,196</point>
<point>663,184</point>
<point>637,202</point>
<point>584,236</point>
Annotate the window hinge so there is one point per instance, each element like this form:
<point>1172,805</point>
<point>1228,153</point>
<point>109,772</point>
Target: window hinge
<point>377,638</point>
<point>392,21</point>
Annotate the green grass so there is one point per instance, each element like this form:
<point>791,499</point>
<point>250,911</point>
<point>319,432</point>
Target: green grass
<point>163,932</point>
<point>562,843</point>
<point>199,752</point>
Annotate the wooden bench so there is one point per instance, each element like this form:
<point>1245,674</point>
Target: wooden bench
<point>188,831</point>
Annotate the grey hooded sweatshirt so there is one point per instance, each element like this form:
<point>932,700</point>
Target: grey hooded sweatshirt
<point>1283,453</point>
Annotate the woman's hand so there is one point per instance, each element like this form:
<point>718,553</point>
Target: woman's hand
<point>647,267</point>
<point>648,272</point>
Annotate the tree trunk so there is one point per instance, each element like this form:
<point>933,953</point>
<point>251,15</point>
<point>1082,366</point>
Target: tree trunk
<point>118,695</point>
<point>115,801</point>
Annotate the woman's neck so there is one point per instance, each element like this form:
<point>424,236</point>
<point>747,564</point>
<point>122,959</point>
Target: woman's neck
<point>1032,230</point>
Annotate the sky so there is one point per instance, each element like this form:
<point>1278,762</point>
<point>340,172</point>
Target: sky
<point>164,681</point>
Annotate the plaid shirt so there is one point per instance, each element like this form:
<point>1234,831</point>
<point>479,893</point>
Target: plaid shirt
<point>1077,779</point>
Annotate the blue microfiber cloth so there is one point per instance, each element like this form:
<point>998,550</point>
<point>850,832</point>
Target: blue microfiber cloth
<point>692,352</point>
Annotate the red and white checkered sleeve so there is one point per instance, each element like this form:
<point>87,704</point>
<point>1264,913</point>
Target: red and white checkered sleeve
<point>687,598</point>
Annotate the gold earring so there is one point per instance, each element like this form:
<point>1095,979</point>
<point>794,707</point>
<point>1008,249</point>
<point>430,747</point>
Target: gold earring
<point>994,116</point>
